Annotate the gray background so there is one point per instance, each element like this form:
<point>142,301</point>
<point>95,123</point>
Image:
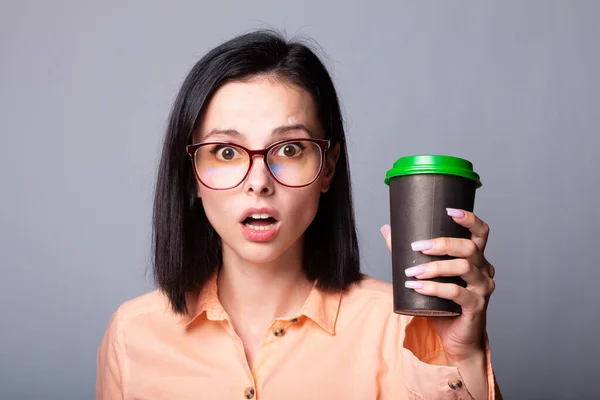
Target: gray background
<point>85,89</point>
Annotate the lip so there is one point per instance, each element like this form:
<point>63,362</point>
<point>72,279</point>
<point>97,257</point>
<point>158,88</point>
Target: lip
<point>262,210</point>
<point>260,236</point>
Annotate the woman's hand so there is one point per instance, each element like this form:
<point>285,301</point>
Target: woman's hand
<point>462,336</point>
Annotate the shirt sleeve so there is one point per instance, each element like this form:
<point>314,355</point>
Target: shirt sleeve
<point>110,363</point>
<point>427,373</point>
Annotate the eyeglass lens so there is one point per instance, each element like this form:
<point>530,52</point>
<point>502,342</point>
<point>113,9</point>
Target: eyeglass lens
<point>222,166</point>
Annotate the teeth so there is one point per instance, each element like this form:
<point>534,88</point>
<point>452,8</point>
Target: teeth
<point>260,216</point>
<point>259,228</point>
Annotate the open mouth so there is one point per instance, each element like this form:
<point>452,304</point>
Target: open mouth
<point>259,222</point>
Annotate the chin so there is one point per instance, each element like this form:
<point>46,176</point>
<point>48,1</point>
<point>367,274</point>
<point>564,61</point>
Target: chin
<point>259,253</point>
<point>283,245</point>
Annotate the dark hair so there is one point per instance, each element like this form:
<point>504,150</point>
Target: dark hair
<point>187,249</point>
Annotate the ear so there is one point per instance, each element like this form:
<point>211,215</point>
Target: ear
<point>331,158</point>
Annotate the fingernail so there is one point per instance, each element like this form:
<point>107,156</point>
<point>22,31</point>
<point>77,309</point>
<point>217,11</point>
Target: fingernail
<point>414,271</point>
<point>414,284</point>
<point>422,245</point>
<point>385,230</point>
<point>454,212</point>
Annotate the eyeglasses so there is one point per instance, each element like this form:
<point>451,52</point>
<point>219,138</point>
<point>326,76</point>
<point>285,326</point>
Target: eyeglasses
<point>291,162</point>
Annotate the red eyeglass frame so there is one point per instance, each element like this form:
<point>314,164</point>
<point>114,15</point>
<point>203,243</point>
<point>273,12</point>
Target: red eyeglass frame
<point>324,145</point>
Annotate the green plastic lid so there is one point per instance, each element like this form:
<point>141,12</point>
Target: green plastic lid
<point>432,164</point>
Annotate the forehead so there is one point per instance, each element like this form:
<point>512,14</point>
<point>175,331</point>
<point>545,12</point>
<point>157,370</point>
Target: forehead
<point>255,108</point>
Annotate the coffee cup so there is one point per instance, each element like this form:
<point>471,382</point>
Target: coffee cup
<point>421,187</point>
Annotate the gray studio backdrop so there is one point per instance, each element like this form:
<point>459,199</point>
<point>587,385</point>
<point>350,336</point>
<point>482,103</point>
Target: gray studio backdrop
<point>85,90</point>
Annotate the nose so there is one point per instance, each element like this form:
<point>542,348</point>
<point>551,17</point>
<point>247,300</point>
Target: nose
<point>259,180</point>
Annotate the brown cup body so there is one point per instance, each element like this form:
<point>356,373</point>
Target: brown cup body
<point>418,212</point>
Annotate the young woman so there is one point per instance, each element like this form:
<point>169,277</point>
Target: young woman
<point>260,294</point>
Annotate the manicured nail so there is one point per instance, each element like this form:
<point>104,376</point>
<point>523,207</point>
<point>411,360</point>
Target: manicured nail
<point>385,230</point>
<point>422,245</point>
<point>454,212</point>
<point>414,284</point>
<point>414,271</point>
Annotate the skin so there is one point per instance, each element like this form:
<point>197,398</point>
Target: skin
<point>260,282</point>
<point>462,336</point>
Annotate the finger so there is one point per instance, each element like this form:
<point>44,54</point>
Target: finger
<point>456,247</point>
<point>386,232</point>
<point>479,230</point>
<point>467,299</point>
<point>457,267</point>
<point>491,271</point>
<point>487,268</point>
<point>477,279</point>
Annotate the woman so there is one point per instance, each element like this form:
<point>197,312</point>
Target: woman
<point>256,257</point>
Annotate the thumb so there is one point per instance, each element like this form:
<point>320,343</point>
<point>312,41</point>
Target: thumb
<point>386,231</point>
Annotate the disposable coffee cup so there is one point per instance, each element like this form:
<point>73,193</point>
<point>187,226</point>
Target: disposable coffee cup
<point>421,187</point>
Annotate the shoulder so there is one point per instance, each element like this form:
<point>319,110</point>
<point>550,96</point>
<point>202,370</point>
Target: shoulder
<point>370,298</point>
<point>369,306</point>
<point>372,290</point>
<point>147,305</point>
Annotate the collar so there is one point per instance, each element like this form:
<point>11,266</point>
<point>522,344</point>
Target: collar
<point>320,306</point>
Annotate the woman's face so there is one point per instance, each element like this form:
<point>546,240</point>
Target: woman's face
<point>255,114</point>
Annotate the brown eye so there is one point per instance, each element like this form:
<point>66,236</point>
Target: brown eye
<point>227,154</point>
<point>289,150</point>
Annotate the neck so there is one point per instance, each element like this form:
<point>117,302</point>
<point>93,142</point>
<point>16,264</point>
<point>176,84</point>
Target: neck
<point>253,293</point>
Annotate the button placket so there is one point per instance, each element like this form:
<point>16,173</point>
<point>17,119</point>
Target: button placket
<point>278,332</point>
<point>249,392</point>
<point>458,386</point>
<point>455,383</point>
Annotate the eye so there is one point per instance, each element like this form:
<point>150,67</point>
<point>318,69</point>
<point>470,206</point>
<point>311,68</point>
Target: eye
<point>225,153</point>
<point>290,150</point>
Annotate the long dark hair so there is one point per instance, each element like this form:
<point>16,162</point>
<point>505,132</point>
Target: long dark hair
<point>187,249</point>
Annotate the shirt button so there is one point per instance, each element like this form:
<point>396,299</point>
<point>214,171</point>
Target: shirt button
<point>455,384</point>
<point>249,392</point>
<point>278,332</point>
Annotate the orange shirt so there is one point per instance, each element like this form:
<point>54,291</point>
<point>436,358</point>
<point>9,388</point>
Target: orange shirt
<point>339,346</point>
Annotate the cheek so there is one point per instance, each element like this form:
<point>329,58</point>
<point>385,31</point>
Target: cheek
<point>215,204</point>
<point>306,204</point>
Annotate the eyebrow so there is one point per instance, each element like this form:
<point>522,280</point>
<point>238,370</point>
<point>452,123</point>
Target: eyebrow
<point>280,130</point>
